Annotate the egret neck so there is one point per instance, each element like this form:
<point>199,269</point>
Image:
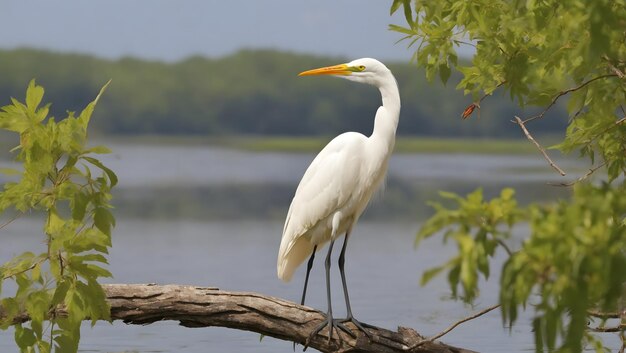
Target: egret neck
<point>387,116</point>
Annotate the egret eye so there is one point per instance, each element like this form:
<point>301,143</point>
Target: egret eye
<point>361,67</point>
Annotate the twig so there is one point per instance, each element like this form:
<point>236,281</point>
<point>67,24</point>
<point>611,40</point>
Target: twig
<point>506,247</point>
<point>617,71</point>
<point>606,315</point>
<point>470,108</point>
<point>457,41</point>
<point>453,326</point>
<point>11,220</point>
<point>33,265</point>
<point>618,328</point>
<point>580,110</point>
<point>617,123</point>
<point>562,93</point>
<point>490,93</point>
<point>591,171</point>
<point>519,122</point>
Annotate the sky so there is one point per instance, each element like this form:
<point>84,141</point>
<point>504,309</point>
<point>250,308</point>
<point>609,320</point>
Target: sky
<point>170,30</point>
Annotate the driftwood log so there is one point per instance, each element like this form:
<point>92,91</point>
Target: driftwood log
<point>203,307</point>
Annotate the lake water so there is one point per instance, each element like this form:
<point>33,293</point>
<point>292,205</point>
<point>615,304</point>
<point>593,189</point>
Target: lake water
<point>207,216</point>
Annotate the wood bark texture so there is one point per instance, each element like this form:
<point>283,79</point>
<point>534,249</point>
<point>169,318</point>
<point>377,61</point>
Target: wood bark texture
<point>203,307</point>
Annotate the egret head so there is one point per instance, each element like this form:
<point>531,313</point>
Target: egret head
<point>366,70</point>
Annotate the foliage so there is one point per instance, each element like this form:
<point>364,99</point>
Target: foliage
<point>575,259</point>
<point>57,181</point>
<point>252,92</point>
<point>477,226</point>
<point>541,52</point>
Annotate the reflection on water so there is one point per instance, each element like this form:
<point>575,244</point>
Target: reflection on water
<point>203,182</point>
<point>224,218</point>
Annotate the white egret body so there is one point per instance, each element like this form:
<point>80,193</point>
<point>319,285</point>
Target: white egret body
<point>337,186</point>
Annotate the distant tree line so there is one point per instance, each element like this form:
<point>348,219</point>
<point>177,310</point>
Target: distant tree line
<point>250,92</point>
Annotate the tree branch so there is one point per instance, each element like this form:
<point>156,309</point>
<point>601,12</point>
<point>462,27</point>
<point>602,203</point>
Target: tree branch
<point>453,326</point>
<point>562,93</point>
<point>519,122</point>
<point>203,307</point>
<point>615,70</point>
<point>618,328</point>
<point>607,315</point>
<point>587,175</point>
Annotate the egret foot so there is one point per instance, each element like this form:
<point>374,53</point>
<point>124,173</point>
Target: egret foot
<point>332,324</point>
<point>360,325</point>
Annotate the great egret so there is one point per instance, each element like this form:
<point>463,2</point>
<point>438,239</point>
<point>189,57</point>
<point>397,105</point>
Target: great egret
<point>338,184</point>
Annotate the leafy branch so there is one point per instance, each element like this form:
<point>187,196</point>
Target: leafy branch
<point>58,181</point>
<point>564,92</point>
<point>573,258</point>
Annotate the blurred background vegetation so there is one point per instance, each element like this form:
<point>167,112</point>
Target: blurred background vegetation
<point>252,92</point>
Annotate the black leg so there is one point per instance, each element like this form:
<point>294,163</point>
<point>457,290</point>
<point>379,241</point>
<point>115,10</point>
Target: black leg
<point>332,324</point>
<point>342,261</point>
<point>329,314</point>
<point>309,265</point>
<point>350,317</point>
<point>308,271</point>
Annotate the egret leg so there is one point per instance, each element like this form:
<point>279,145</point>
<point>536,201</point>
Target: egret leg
<point>329,315</point>
<point>350,317</point>
<point>309,265</point>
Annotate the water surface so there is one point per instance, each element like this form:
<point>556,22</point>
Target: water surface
<point>207,216</point>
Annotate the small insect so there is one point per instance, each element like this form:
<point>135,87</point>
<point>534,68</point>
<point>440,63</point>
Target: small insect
<point>469,110</point>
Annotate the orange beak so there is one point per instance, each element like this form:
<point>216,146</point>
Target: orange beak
<point>341,69</point>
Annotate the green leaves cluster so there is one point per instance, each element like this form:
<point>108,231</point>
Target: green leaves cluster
<point>541,52</point>
<point>57,288</point>
<point>574,259</point>
<point>478,227</point>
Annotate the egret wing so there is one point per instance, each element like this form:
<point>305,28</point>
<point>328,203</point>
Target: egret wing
<point>326,186</point>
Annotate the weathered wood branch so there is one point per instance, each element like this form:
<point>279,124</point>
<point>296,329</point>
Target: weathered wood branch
<point>203,307</point>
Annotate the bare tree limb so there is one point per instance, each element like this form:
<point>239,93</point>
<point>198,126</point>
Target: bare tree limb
<point>607,315</point>
<point>203,307</point>
<point>521,123</point>
<point>453,326</point>
<point>578,180</point>
<point>617,328</point>
<point>10,220</point>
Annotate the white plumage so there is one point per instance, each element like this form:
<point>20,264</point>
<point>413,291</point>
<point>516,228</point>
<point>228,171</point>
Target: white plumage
<point>338,184</point>
<point>342,178</point>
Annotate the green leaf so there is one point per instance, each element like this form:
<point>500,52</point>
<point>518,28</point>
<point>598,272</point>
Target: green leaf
<point>395,6</point>
<point>24,337</point>
<point>444,73</point>
<point>430,274</point>
<point>99,150</point>
<point>103,220</point>
<point>112,177</point>
<point>85,115</point>
<point>408,13</point>
<point>60,292</point>
<point>79,205</point>
<point>34,95</point>
<point>401,29</point>
<point>10,171</point>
